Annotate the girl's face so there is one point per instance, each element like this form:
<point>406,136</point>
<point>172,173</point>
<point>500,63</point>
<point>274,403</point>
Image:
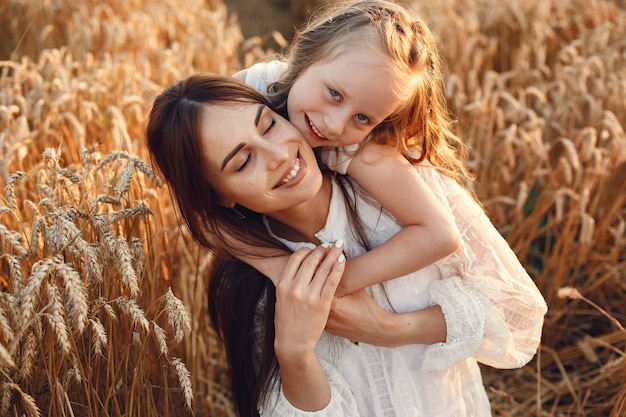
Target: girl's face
<point>338,102</point>
<point>257,159</point>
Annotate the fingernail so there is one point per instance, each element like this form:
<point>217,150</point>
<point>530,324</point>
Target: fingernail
<point>326,245</point>
<point>341,259</point>
<point>339,243</point>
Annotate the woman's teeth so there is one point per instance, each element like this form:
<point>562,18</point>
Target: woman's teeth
<point>317,132</point>
<point>293,172</point>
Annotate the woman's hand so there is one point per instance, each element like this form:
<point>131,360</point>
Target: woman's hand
<point>358,317</point>
<point>304,294</point>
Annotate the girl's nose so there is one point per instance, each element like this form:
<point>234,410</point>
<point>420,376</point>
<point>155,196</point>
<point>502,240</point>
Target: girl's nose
<point>336,122</point>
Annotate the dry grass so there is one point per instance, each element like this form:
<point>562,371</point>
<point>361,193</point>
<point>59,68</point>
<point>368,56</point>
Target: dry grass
<point>102,297</point>
<point>539,90</point>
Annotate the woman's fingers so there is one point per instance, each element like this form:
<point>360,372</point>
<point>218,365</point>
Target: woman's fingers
<point>295,262</point>
<point>330,270</point>
<point>312,270</point>
<point>304,295</point>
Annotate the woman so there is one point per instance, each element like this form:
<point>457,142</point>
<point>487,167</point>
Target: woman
<point>239,169</point>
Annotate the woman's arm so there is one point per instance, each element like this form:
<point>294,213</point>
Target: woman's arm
<point>304,294</point>
<point>429,232</point>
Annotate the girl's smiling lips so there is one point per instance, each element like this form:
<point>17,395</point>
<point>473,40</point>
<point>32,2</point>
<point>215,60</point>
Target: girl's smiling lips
<point>294,174</point>
<point>313,130</point>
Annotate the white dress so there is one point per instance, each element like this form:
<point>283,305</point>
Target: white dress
<point>492,308</point>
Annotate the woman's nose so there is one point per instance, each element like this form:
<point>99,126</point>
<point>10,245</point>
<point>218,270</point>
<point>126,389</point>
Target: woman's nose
<point>277,154</point>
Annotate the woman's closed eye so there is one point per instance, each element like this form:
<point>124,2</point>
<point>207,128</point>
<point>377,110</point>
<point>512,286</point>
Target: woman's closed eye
<point>271,124</point>
<point>243,165</point>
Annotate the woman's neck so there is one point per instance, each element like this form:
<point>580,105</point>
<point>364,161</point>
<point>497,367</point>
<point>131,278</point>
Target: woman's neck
<point>301,223</point>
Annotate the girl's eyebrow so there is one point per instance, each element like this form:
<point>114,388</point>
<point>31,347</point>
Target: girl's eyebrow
<point>237,148</point>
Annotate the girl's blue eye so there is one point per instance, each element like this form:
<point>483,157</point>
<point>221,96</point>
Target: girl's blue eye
<point>362,118</point>
<point>334,94</point>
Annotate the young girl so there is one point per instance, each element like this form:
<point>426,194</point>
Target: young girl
<point>364,81</point>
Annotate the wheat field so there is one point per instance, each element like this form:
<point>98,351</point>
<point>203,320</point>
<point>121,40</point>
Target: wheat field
<point>102,295</point>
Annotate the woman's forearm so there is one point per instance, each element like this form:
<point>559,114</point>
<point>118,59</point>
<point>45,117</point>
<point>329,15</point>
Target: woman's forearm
<point>304,294</point>
<point>304,382</point>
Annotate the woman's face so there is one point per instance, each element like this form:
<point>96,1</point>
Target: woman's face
<point>257,159</point>
<point>338,102</point>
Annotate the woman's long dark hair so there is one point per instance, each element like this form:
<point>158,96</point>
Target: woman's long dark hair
<point>241,308</point>
<point>241,299</point>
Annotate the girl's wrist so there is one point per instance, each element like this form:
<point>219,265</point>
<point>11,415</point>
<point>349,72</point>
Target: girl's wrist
<point>425,327</point>
<point>393,328</point>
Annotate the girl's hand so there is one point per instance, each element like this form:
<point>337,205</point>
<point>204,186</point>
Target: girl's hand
<point>304,294</point>
<point>358,317</point>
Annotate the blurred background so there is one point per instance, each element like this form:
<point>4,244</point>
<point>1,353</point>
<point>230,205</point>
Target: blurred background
<point>103,295</point>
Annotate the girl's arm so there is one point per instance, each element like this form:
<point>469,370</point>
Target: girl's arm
<point>241,75</point>
<point>429,232</point>
<point>358,317</point>
<point>271,262</point>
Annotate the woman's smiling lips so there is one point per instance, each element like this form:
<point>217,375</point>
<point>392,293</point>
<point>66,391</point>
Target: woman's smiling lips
<point>294,174</point>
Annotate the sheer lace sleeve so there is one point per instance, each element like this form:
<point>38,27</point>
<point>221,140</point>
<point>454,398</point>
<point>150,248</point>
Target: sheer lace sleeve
<point>465,322</point>
<point>513,306</point>
<point>342,402</point>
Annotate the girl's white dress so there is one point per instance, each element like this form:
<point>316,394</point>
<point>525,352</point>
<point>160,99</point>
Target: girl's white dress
<point>493,312</point>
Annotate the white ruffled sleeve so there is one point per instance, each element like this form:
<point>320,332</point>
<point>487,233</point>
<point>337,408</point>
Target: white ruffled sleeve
<point>513,309</point>
<point>341,404</point>
<point>260,75</point>
<point>465,321</point>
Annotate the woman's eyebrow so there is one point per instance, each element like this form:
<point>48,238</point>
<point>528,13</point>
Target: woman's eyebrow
<point>259,110</point>
<point>231,154</point>
<point>237,148</point>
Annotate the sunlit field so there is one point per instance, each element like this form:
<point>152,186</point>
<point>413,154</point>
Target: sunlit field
<point>102,294</point>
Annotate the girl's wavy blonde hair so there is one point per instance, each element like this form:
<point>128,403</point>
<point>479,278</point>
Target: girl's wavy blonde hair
<point>421,129</point>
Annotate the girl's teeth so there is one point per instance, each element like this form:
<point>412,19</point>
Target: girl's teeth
<point>293,172</point>
<point>317,132</point>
